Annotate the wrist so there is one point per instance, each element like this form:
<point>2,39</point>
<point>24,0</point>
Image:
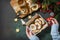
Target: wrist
<point>34,37</point>
<point>54,28</point>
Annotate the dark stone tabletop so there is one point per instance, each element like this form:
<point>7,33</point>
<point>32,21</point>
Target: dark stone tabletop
<point>8,26</point>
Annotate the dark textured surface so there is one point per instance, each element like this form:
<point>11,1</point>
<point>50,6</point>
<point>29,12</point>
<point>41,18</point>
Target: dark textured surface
<point>8,25</point>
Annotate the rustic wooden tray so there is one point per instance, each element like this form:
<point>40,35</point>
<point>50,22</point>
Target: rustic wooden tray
<point>32,21</point>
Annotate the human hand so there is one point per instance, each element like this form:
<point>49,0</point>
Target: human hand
<point>28,32</point>
<point>54,21</point>
<point>30,35</point>
<point>54,26</point>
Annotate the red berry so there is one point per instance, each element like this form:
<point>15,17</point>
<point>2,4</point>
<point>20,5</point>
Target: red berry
<point>58,3</point>
<point>49,11</point>
<point>48,19</point>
